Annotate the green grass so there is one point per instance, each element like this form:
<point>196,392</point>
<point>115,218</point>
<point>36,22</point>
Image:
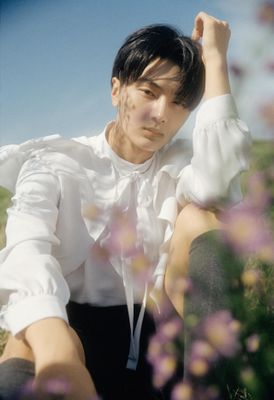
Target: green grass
<point>4,203</point>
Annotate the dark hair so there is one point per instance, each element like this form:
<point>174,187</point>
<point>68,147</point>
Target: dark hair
<point>165,42</point>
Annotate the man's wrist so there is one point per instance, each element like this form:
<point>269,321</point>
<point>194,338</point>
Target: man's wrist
<point>216,78</point>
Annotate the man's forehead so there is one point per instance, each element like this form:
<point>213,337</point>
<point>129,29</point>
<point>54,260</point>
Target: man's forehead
<point>160,69</point>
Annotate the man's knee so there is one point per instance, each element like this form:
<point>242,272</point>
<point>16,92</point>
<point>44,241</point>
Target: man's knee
<point>194,221</point>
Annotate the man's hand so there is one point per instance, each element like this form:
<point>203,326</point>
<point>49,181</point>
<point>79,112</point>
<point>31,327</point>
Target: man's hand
<point>215,35</point>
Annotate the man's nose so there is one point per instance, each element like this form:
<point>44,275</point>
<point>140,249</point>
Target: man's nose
<point>159,112</point>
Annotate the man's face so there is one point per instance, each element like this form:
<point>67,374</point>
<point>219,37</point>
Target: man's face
<point>148,114</point>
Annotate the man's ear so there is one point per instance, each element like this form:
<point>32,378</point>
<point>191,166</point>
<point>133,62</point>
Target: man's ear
<point>115,91</point>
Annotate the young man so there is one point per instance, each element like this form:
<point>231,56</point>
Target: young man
<point>86,211</point>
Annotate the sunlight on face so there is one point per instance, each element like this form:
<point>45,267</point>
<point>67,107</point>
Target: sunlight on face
<point>148,114</point>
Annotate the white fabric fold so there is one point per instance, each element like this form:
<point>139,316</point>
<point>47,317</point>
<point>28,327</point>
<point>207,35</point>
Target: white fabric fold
<point>69,196</point>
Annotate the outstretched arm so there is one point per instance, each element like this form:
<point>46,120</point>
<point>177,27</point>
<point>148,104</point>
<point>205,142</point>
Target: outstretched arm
<point>215,35</point>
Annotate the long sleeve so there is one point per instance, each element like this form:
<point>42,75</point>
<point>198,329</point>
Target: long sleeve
<point>221,143</point>
<point>32,285</point>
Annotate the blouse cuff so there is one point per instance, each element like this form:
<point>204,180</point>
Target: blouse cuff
<point>32,309</point>
<point>217,108</point>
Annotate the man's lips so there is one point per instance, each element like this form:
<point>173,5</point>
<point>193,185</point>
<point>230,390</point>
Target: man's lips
<point>153,131</point>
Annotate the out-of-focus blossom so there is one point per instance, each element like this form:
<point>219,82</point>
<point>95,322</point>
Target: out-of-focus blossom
<point>266,112</point>
<point>270,66</point>
<point>162,351</point>
<point>237,70</point>
<point>265,14</point>
<point>258,194</point>
<point>182,391</point>
<point>163,369</point>
<point>54,389</point>
<point>247,375</point>
<point>198,366</point>
<point>222,332</point>
<point>162,357</point>
<point>202,349</point>
<point>171,328</point>
<point>212,393</point>
<point>201,356</point>
<point>91,212</point>
<point>122,234</point>
<point>253,343</point>
<point>250,277</point>
<point>57,387</point>
<point>249,232</point>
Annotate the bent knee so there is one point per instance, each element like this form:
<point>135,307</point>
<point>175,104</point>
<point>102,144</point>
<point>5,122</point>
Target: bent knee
<point>194,221</point>
<point>16,348</point>
<point>78,344</point>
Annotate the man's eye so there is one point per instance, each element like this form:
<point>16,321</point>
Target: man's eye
<point>148,92</point>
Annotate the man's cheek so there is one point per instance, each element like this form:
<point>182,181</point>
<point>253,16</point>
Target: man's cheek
<point>142,117</point>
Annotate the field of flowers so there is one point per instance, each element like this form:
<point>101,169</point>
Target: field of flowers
<point>232,355</point>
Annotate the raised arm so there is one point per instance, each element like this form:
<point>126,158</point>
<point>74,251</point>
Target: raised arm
<point>215,35</point>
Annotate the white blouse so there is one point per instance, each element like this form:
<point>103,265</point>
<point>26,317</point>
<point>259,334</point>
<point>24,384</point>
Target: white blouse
<point>81,216</point>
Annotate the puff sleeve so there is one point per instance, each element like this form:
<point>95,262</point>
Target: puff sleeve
<point>32,285</point>
<point>221,146</point>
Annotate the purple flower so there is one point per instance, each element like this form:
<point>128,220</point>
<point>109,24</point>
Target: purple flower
<point>162,351</point>
<point>57,386</point>
<point>251,276</point>
<point>222,333</point>
<point>163,369</point>
<point>237,71</point>
<point>122,236</point>
<point>202,349</point>
<point>267,113</point>
<point>265,13</point>
<point>249,232</point>
<point>171,328</point>
<point>252,343</point>
<point>182,391</point>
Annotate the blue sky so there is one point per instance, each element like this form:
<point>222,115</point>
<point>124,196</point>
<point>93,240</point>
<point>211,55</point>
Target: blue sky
<point>56,58</point>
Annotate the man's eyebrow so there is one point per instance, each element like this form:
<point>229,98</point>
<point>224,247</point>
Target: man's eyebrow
<point>143,79</point>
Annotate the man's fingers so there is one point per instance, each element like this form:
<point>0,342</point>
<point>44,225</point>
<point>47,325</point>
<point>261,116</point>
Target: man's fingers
<point>198,29</point>
<point>204,21</point>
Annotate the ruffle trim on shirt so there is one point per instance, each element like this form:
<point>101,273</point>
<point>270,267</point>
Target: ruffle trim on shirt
<point>77,157</point>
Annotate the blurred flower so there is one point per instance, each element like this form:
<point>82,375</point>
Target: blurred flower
<point>249,232</point>
<point>266,112</point>
<point>170,329</point>
<point>212,393</point>
<point>122,234</point>
<point>163,369</point>
<point>258,194</point>
<point>265,13</point>
<point>202,349</point>
<point>253,343</point>
<point>198,366</point>
<point>57,387</point>
<point>222,332</point>
<point>162,351</point>
<point>270,66</point>
<point>91,212</point>
<point>237,70</point>
<point>250,277</point>
<point>247,375</point>
<point>182,391</point>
